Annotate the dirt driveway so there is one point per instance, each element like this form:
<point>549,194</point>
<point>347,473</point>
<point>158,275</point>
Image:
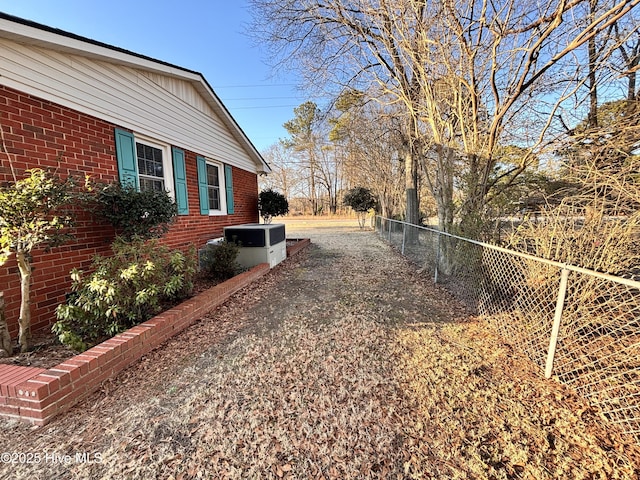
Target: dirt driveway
<point>343,363</point>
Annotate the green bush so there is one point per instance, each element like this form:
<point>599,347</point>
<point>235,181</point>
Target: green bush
<point>361,200</point>
<point>137,282</point>
<point>146,214</point>
<point>219,262</point>
<point>272,204</point>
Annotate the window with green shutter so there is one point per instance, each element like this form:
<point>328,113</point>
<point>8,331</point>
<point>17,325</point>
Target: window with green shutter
<point>215,187</point>
<point>203,190</point>
<point>127,158</point>
<point>147,164</point>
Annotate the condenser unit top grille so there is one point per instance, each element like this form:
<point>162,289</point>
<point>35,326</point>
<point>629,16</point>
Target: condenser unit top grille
<point>255,234</point>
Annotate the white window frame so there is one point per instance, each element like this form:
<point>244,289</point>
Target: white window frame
<point>167,162</point>
<point>223,189</point>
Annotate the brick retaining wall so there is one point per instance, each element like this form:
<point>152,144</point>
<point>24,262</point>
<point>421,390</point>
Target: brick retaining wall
<point>37,395</point>
<point>296,247</point>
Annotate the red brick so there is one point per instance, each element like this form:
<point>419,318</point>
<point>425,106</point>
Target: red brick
<point>12,376</point>
<point>22,402</point>
<point>72,370</point>
<point>52,382</point>
<point>30,413</point>
<point>55,397</point>
<point>81,364</point>
<point>11,410</point>
<point>48,412</point>
<point>33,389</point>
<point>91,361</point>
<point>106,353</point>
<point>64,376</point>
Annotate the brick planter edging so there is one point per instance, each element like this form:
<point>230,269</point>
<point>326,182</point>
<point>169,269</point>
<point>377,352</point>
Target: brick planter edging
<point>300,244</point>
<point>37,395</point>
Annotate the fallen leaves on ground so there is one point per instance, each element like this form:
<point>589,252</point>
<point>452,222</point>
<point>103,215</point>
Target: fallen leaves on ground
<point>345,365</point>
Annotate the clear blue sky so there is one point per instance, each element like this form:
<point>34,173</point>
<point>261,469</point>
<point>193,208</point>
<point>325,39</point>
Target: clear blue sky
<point>202,35</point>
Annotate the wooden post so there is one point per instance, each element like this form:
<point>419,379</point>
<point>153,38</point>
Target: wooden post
<point>5,339</point>
<point>556,322</point>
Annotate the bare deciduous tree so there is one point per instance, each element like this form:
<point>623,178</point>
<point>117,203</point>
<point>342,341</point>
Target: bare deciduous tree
<point>285,176</point>
<point>369,138</point>
<point>470,76</point>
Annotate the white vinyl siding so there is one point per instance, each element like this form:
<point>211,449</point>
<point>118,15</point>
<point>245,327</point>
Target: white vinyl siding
<point>124,96</point>
<point>181,89</point>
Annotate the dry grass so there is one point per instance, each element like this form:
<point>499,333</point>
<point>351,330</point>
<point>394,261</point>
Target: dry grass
<point>346,364</point>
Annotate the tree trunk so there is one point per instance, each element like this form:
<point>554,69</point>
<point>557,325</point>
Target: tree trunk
<point>24,333</point>
<point>444,188</point>
<point>412,213</point>
<point>5,338</point>
<point>444,204</point>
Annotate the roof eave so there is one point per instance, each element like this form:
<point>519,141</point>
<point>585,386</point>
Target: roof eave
<point>32,33</point>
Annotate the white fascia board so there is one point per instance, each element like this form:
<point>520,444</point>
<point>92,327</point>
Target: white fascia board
<point>66,42</point>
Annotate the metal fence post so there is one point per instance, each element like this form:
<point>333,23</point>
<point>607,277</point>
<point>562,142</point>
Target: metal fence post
<point>556,322</point>
<point>435,275</point>
<point>389,231</point>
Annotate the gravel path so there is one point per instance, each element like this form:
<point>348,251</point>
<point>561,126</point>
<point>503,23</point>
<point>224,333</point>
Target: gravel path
<point>344,363</point>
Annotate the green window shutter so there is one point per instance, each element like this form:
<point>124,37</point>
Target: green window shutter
<point>180,181</point>
<point>127,158</point>
<point>228,183</point>
<point>202,186</point>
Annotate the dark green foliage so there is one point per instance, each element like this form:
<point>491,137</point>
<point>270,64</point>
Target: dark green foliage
<point>146,214</point>
<point>361,200</point>
<point>219,261</point>
<point>125,289</point>
<point>272,204</point>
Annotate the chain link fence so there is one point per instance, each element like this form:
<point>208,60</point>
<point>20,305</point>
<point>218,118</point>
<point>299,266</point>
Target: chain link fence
<point>580,326</point>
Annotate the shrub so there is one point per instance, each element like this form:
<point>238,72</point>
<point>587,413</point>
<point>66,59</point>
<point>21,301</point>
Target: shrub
<point>219,261</point>
<point>125,289</point>
<point>361,200</point>
<point>272,204</point>
<point>145,214</point>
<point>35,212</point>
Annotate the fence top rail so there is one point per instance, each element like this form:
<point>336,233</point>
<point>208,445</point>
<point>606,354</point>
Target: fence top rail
<point>605,276</point>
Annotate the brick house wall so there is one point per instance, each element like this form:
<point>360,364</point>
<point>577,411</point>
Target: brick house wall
<point>39,133</point>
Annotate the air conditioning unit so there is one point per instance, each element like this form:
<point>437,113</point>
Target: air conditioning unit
<point>259,243</point>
